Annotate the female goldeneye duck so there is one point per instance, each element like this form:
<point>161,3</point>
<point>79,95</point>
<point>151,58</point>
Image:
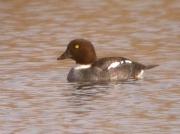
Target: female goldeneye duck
<point>89,68</point>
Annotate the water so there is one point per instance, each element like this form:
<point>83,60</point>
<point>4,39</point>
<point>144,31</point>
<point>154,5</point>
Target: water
<point>35,95</point>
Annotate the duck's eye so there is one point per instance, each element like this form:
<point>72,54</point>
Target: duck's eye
<point>76,46</point>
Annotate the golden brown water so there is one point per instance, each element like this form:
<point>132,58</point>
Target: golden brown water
<point>35,97</point>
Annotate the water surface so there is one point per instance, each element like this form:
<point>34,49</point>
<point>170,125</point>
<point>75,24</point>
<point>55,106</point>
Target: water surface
<point>35,95</point>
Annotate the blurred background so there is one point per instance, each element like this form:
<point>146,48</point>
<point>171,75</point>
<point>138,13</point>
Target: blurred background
<point>35,95</point>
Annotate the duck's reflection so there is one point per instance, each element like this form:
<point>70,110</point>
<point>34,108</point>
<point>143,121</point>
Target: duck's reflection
<point>83,94</point>
<point>87,94</point>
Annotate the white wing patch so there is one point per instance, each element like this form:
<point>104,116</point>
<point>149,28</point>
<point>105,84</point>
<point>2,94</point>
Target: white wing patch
<point>128,61</point>
<point>113,65</point>
<point>82,67</point>
<point>122,62</point>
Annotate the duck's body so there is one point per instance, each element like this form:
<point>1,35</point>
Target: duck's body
<point>90,68</point>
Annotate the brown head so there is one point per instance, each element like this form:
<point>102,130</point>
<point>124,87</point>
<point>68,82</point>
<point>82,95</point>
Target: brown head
<point>80,50</point>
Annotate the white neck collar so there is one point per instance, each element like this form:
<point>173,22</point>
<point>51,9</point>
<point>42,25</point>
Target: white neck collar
<point>80,66</point>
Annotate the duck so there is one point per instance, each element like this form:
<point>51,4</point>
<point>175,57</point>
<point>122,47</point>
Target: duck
<point>89,68</point>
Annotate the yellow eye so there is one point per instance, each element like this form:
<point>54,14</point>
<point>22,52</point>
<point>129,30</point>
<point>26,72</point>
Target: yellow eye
<point>76,46</point>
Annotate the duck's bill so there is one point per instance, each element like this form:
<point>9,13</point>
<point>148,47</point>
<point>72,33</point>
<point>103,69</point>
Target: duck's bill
<point>65,55</point>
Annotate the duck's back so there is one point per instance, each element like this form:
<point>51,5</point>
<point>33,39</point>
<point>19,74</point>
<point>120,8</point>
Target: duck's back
<point>117,68</point>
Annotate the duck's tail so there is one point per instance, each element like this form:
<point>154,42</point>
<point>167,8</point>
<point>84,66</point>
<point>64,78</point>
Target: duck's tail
<point>150,66</point>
